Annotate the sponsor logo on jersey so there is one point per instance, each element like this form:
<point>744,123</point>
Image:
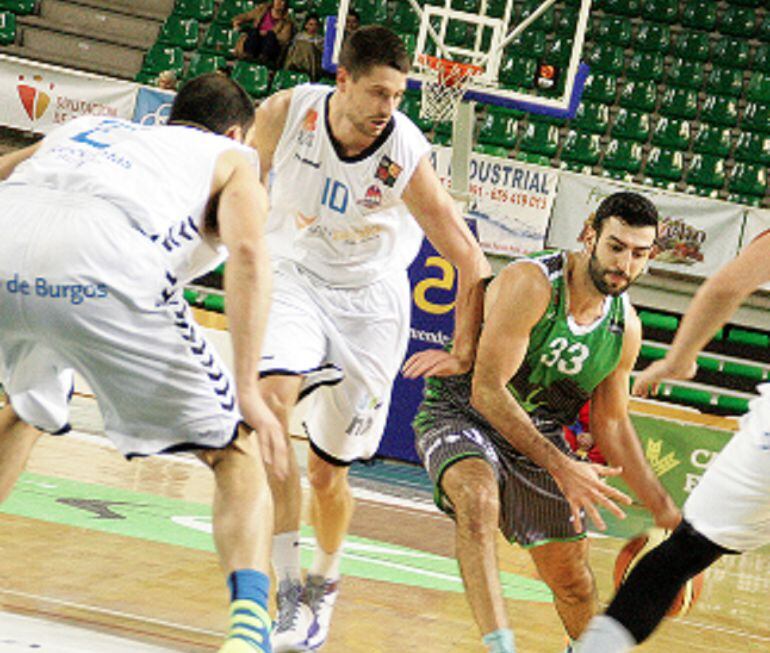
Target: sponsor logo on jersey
<point>33,98</point>
<point>388,171</point>
<point>306,162</point>
<point>372,199</point>
<point>307,132</point>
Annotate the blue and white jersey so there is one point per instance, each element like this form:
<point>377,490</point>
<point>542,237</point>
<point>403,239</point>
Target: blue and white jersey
<point>342,218</point>
<point>158,176</point>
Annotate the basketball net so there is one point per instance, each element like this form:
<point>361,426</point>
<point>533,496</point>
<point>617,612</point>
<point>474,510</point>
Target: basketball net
<point>444,83</point>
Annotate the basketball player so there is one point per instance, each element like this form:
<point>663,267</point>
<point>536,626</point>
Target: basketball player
<point>558,330</point>
<point>103,223</point>
<point>347,171</point>
<point>729,510</point>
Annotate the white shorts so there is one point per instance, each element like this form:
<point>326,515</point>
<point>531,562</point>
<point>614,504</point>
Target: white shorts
<point>731,503</point>
<point>80,289</point>
<point>348,344</point>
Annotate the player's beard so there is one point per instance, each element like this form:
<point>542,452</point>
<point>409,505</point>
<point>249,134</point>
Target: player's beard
<point>598,274</point>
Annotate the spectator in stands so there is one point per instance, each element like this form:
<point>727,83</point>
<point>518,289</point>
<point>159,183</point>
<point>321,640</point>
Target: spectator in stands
<point>306,50</point>
<point>352,23</point>
<point>167,80</point>
<point>269,30</point>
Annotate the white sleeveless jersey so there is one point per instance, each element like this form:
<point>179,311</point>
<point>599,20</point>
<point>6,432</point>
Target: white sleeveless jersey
<point>158,176</point>
<point>342,218</point>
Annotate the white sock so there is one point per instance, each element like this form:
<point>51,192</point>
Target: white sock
<point>605,635</point>
<point>326,564</point>
<point>286,556</point>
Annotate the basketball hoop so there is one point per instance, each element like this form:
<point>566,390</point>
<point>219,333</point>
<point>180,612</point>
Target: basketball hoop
<point>444,83</point>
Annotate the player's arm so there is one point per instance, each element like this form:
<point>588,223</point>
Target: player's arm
<point>8,162</point>
<point>435,211</point>
<point>241,217</point>
<point>614,433</point>
<point>714,303</point>
<point>516,300</point>
<point>269,121</point>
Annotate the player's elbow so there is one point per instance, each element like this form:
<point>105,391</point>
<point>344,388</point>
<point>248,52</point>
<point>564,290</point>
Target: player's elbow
<point>482,395</point>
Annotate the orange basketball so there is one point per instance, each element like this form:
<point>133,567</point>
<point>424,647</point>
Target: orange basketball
<point>635,549</point>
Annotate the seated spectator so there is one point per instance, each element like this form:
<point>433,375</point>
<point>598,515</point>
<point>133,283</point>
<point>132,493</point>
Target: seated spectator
<point>306,51</point>
<point>352,23</point>
<point>580,440</point>
<point>167,80</point>
<point>268,32</point>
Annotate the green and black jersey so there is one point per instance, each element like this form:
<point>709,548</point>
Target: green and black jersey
<point>564,361</point>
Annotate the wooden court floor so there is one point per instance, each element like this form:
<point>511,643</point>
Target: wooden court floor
<point>174,597</point>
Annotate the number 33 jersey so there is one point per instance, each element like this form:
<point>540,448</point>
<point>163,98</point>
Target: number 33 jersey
<point>342,217</point>
<point>565,361</point>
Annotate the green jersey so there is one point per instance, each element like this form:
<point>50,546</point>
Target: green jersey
<point>565,361</point>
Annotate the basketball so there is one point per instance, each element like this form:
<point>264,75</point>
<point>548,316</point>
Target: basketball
<point>635,549</point>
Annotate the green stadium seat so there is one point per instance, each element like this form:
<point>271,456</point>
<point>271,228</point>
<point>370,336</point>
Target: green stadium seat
<point>764,29</point>
<point>719,110</point>
<point>410,105</point>
<point>623,155</point>
<point>671,133</point>
<point>534,158</point>
<point>546,22</point>
<point>725,81</point>
<point>691,45</point>
<point>613,29</point>
<point>442,139</point>
<point>191,296</point>
<point>581,148</point>
<point>468,6</point>
<point>756,117</point>
<point>181,31</point>
<point>162,57</point>
<point>761,59</point>
<point>617,175</point>
<point>229,9</point>
<point>679,103</point>
<point>746,3</point>
<point>531,43</point>
<point>517,72</point>
<point>653,37</point>
<point>146,77</point>
<point>660,321</point>
<point>202,10</point>
<point>640,95</point>
<point>300,6</point>
<point>325,7</point>
<point>495,8</point>
<point>566,22</point>
<point>753,148</point>
<point>559,50</point>
<point>491,150</point>
<point>685,74</point>
<point>712,139</point>
<point>652,352</point>
<point>404,19</point>
<point>729,51</point>
<point>664,11</point>
<point>631,124</point>
<point>748,200</point>
<point>607,58</point>
<point>592,117</point>
<point>758,89</point>
<point>201,63</point>
<point>7,27</point>
<point>18,7</point>
<point>706,170</point>
<point>213,302</point>
<point>735,405</point>
<point>457,34</point>
<point>600,87</point>
<point>753,372</point>
<point>287,79</point>
<point>499,128</point>
<point>646,65</point>
<point>664,164</point>
<point>740,336</point>
<point>372,11</point>
<point>622,7</point>
<point>220,39</point>
<point>700,14</point>
<point>410,42</point>
<point>540,138</point>
<point>749,179</point>
<point>689,396</point>
<point>254,78</point>
<point>739,21</point>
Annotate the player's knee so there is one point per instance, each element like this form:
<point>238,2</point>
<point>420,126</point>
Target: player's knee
<point>326,479</point>
<point>280,404</point>
<point>477,506</point>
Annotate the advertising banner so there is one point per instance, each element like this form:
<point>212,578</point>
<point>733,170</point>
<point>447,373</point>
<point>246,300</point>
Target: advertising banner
<point>511,201</point>
<point>697,235</point>
<point>153,106</point>
<point>38,97</point>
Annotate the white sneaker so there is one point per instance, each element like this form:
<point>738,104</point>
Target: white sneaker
<point>293,621</point>
<point>320,595</point>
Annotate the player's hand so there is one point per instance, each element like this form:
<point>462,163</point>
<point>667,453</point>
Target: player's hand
<point>434,362</point>
<point>668,516</point>
<point>648,380</point>
<point>584,487</point>
<point>272,441</point>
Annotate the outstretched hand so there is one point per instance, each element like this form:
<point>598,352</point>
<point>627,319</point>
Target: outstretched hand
<point>272,441</point>
<point>584,488</point>
<point>434,362</point>
<point>648,380</point>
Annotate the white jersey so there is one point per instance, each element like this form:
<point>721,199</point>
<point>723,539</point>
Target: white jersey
<point>342,218</point>
<point>137,169</point>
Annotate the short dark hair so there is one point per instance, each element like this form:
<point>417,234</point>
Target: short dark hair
<point>634,209</point>
<point>213,101</point>
<point>371,46</point>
